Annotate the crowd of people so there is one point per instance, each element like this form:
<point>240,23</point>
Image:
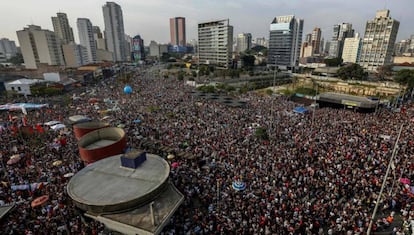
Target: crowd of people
<point>315,173</point>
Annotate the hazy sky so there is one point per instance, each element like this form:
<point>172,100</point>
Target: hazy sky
<point>150,18</point>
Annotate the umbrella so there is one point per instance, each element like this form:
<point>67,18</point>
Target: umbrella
<point>40,201</point>
<point>170,157</point>
<point>174,164</point>
<point>58,127</point>
<point>106,117</point>
<point>405,180</point>
<point>136,121</point>
<point>93,100</point>
<point>67,175</point>
<point>238,185</point>
<point>57,163</point>
<point>13,159</point>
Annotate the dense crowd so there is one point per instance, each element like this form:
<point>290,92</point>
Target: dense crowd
<point>316,174</point>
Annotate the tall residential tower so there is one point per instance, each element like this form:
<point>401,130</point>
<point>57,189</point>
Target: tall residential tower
<point>114,30</point>
<point>379,40</point>
<point>177,31</point>
<point>86,38</point>
<point>62,28</point>
<point>39,46</point>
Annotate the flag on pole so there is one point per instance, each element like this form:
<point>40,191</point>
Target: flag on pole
<point>24,110</point>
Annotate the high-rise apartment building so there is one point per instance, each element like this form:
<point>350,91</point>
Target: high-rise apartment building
<point>75,55</point>
<point>114,30</point>
<point>340,32</point>
<point>177,31</point>
<point>39,46</point>
<point>285,41</point>
<point>62,28</point>
<point>244,42</point>
<point>215,43</point>
<point>379,40</point>
<point>98,36</point>
<point>86,38</point>
<point>352,49</point>
<point>138,50</point>
<point>261,42</point>
<point>316,40</point>
<point>8,48</point>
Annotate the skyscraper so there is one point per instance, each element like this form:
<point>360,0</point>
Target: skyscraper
<point>352,49</point>
<point>86,38</point>
<point>39,46</point>
<point>177,31</point>
<point>215,42</point>
<point>244,42</point>
<point>62,28</point>
<point>316,40</point>
<point>285,41</point>
<point>340,32</point>
<point>8,48</point>
<point>379,40</point>
<point>114,30</point>
<point>99,40</point>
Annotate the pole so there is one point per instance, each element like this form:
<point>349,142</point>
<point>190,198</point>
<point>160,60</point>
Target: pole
<point>273,90</point>
<point>384,181</point>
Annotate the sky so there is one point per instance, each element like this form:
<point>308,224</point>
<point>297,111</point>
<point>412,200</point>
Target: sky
<point>150,18</point>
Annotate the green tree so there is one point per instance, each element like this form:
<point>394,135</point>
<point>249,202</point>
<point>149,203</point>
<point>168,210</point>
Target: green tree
<point>261,133</point>
<point>384,71</point>
<point>334,62</point>
<point>405,77</point>
<point>352,72</point>
<point>248,61</point>
<point>17,59</point>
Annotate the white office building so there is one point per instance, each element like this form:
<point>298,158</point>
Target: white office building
<point>39,46</point>
<point>352,49</point>
<point>285,41</point>
<point>379,40</point>
<point>215,43</point>
<point>86,38</point>
<point>244,42</point>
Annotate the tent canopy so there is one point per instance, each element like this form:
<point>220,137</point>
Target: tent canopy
<point>300,110</point>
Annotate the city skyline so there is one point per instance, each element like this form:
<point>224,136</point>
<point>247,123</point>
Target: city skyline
<point>150,19</point>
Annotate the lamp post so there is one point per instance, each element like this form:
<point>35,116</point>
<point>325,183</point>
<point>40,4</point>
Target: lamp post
<point>384,181</point>
<point>273,90</point>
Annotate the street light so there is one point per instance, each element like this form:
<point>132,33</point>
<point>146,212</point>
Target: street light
<point>273,90</point>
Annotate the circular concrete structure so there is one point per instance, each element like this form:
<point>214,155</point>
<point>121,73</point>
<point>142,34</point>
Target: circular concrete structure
<point>106,187</point>
<point>84,128</point>
<point>102,143</point>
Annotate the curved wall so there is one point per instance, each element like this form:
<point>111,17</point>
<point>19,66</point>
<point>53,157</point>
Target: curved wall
<point>102,143</point>
<point>84,128</point>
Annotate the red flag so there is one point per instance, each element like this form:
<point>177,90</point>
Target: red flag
<point>24,120</point>
<point>39,128</point>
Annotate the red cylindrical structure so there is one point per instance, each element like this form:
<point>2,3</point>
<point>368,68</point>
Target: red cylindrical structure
<point>84,128</point>
<point>102,143</point>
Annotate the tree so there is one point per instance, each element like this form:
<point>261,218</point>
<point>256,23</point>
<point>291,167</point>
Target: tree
<point>384,71</point>
<point>248,61</point>
<point>405,77</point>
<point>334,62</point>
<point>17,59</point>
<point>352,72</point>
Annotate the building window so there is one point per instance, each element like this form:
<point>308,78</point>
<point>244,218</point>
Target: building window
<point>19,88</point>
